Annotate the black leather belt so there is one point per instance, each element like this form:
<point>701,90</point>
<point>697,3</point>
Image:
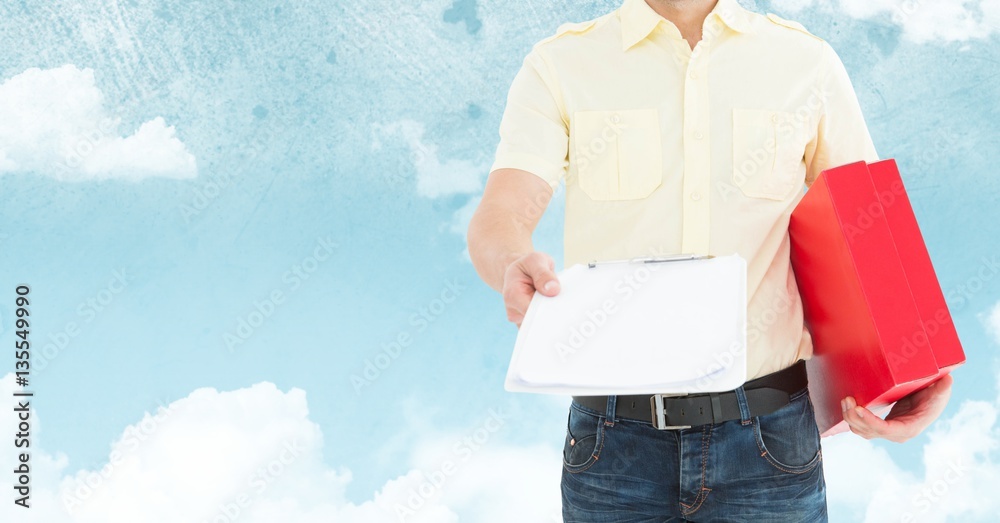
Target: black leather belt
<point>765,395</point>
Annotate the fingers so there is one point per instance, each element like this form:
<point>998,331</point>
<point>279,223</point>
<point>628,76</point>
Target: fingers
<point>866,424</point>
<point>942,387</point>
<point>942,392</point>
<point>908,417</point>
<point>516,298</point>
<point>859,419</point>
<point>540,267</point>
<point>535,271</point>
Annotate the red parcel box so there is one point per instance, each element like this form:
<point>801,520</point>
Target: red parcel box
<point>879,322</point>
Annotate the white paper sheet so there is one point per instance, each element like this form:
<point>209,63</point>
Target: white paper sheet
<point>636,328</point>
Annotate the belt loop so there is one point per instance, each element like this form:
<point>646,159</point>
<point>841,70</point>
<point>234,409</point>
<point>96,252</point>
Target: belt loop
<point>716,408</point>
<point>609,414</point>
<point>741,399</point>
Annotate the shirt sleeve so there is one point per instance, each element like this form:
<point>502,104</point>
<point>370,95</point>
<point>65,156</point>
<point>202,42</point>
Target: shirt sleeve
<point>533,133</point>
<point>842,136</point>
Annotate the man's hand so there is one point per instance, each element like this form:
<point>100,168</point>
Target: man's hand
<point>533,271</point>
<point>908,417</point>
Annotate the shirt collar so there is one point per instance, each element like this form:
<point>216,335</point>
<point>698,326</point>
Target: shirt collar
<point>638,19</point>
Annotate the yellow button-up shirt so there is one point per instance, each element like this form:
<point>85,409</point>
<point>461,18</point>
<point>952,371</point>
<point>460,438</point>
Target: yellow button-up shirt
<point>668,150</point>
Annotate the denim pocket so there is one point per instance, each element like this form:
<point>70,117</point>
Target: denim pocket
<point>584,439</point>
<point>789,438</point>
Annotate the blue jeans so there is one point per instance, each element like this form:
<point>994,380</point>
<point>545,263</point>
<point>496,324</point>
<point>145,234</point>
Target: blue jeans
<point>767,468</point>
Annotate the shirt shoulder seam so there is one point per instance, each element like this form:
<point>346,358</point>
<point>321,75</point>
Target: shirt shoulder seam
<point>777,20</point>
<point>572,28</point>
<point>553,81</point>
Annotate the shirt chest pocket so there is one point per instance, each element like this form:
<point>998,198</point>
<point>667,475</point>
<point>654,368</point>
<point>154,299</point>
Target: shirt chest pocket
<point>618,155</point>
<point>766,156</point>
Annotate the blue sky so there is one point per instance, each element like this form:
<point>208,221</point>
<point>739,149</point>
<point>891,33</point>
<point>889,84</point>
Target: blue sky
<point>332,153</point>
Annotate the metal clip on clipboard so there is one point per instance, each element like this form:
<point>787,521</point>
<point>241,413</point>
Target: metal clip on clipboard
<point>653,259</point>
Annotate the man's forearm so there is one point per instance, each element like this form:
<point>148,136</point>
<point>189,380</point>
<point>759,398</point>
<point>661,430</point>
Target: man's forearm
<point>496,239</point>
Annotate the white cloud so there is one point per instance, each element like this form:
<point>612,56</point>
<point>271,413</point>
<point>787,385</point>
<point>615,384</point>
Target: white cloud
<point>54,122</point>
<point>992,322</point>
<point>434,177</point>
<point>960,472</point>
<point>960,476</point>
<point>855,469</point>
<point>253,455</point>
<point>921,20</point>
<point>460,222</point>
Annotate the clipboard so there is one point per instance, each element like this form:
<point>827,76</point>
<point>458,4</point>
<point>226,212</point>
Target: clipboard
<point>669,325</point>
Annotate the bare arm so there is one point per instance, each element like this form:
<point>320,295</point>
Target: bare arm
<point>499,239</point>
<point>531,159</point>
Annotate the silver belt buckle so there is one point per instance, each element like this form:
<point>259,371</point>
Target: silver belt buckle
<point>659,416</point>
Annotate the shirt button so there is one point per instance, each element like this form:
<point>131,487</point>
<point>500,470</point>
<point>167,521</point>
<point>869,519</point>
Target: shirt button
<point>694,75</point>
<point>695,196</point>
<point>698,135</point>
<point>774,118</point>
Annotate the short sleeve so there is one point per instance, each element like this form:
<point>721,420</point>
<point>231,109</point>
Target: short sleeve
<point>842,136</point>
<point>533,133</point>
